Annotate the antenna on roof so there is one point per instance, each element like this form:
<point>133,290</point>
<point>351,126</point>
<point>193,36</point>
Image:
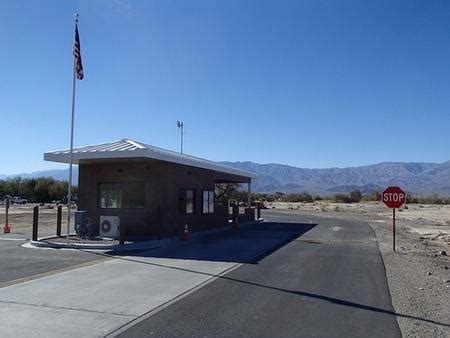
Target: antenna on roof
<point>180,126</point>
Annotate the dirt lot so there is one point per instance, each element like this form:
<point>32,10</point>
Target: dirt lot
<point>418,272</point>
<point>21,219</point>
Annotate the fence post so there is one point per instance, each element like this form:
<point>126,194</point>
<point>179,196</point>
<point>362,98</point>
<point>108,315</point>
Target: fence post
<point>58,221</point>
<point>35,223</point>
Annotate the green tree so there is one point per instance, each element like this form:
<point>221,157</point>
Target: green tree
<point>224,192</point>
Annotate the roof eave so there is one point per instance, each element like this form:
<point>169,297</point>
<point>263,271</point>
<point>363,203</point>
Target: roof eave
<point>76,157</point>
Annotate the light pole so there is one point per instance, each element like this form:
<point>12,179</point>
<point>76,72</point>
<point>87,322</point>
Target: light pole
<point>180,125</point>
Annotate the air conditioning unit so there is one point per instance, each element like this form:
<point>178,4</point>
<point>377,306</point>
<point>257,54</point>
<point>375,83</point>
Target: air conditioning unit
<point>109,226</point>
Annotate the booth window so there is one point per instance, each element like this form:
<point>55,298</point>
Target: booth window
<point>208,202</point>
<point>126,195</point>
<point>187,201</point>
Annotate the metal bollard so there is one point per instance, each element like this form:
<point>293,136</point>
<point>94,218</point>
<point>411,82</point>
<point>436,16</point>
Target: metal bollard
<point>58,221</point>
<point>35,223</point>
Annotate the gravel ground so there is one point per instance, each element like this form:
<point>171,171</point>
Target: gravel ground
<point>419,280</point>
<point>78,240</point>
<point>21,219</point>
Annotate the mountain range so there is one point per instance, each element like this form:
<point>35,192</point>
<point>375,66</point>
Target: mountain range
<point>420,179</point>
<point>57,174</point>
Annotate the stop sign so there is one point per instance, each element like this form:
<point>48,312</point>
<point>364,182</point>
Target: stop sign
<point>393,197</point>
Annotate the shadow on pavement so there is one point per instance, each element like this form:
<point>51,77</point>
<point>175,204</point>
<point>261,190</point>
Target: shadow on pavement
<point>248,244</point>
<point>341,302</point>
<point>201,249</point>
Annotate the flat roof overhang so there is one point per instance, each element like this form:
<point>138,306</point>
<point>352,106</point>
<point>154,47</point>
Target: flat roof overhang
<point>226,178</point>
<point>219,177</point>
<point>132,151</point>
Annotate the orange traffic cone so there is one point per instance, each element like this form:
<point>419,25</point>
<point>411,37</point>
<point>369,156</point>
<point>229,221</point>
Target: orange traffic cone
<point>185,236</point>
<point>6,229</point>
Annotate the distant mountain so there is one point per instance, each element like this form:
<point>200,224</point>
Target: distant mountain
<point>418,178</point>
<point>421,179</point>
<point>57,174</point>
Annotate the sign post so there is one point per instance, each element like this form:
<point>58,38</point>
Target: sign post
<point>393,197</point>
<point>393,229</point>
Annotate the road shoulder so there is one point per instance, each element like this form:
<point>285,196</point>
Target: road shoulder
<point>419,281</point>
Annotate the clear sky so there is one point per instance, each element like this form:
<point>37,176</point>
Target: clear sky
<point>306,83</point>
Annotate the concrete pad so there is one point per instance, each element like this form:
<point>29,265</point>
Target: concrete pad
<point>32,321</point>
<point>108,289</point>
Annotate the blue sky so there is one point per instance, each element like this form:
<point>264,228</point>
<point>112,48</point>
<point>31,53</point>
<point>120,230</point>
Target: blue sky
<point>306,83</point>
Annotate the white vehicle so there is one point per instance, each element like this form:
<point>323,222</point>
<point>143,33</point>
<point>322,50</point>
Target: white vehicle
<point>17,200</point>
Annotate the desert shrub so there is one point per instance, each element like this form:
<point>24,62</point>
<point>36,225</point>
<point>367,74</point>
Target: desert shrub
<point>433,199</point>
<point>355,196</point>
<point>412,200</point>
<point>302,197</point>
<point>341,198</point>
<point>373,196</point>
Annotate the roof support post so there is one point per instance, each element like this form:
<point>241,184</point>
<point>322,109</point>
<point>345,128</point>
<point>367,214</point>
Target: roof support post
<point>249,198</point>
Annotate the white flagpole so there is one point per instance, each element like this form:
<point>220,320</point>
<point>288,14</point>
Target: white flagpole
<point>69,195</point>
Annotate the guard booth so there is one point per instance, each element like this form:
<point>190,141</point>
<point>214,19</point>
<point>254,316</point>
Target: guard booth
<point>147,191</point>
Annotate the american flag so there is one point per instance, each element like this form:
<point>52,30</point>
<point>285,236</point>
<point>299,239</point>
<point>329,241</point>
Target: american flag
<point>77,55</point>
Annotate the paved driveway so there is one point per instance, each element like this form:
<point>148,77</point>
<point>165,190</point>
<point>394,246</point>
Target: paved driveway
<point>94,300</point>
<point>329,282</point>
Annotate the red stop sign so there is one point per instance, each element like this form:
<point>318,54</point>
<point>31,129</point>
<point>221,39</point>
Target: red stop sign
<point>393,197</point>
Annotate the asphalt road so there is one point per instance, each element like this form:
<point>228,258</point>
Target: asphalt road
<point>329,282</point>
<point>95,300</point>
<point>18,263</point>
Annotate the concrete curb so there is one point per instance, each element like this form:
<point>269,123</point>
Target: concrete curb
<point>45,242</point>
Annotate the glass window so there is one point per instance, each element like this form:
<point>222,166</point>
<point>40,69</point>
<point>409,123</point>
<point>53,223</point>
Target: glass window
<point>130,195</point>
<point>211,202</point>
<point>190,200</point>
<point>133,195</point>
<point>208,202</point>
<point>110,195</point>
<point>187,201</point>
<point>205,202</point>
